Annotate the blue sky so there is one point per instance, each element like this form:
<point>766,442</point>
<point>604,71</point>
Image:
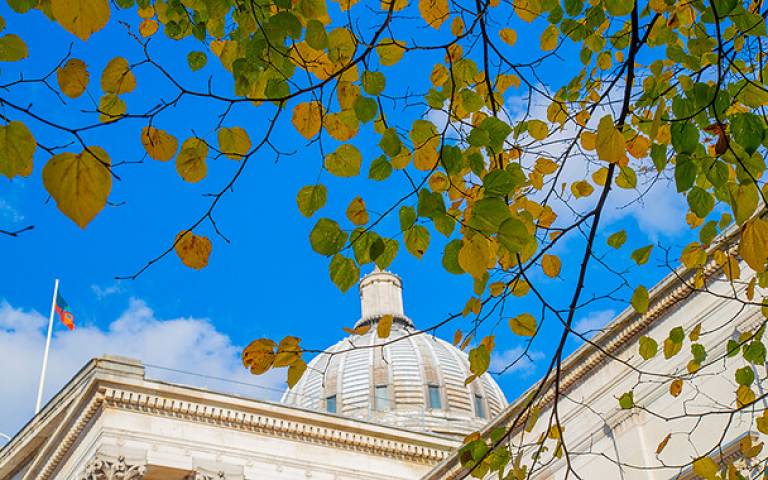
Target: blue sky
<point>268,281</point>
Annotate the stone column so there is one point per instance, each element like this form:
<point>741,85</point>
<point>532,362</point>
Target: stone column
<point>105,469</point>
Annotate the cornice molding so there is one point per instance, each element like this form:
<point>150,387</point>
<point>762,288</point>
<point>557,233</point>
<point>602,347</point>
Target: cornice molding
<point>159,405</point>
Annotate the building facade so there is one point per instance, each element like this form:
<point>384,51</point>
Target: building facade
<point>398,408</point>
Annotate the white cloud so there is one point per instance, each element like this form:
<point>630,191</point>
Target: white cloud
<point>9,213</point>
<point>103,292</point>
<point>190,344</point>
<point>516,361</point>
<point>593,322</point>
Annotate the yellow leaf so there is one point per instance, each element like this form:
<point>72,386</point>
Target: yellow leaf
<point>663,444</point>
<point>111,108</point>
<point>295,373</point>
<point>457,26</point>
<point>508,35</point>
<point>361,330</point>
<point>676,387</point>
<point>434,12</point>
<point>528,10</point>
<point>545,166</point>
<point>341,126</point>
<point>744,396</point>
<point>148,27</point>
<point>706,468</point>
<point>474,255</point>
<point>504,81</point>
<point>762,423</point>
<point>384,327</point>
<point>439,74</point>
<point>753,247</point>
<point>610,142</point>
<point>193,250</point>
<point>390,51</point>
<point>73,77</point>
<point>117,77</point>
<point>523,325</point>
<point>551,265</point>
<point>308,118</point>
<point>582,188</point>
<point>234,142</point>
<point>17,147</point>
<point>356,212</point>
<point>80,183</point>
<point>588,140</point>
<point>538,129</point>
<point>159,144</point>
<point>549,38</point>
<point>638,147</point>
<point>146,12</point>
<point>81,17</point>
<point>259,355</point>
<point>457,336</point>
<point>191,160</point>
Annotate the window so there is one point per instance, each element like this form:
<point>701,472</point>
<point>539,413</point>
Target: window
<point>434,397</point>
<point>330,404</point>
<point>381,397</point>
<point>479,407</point>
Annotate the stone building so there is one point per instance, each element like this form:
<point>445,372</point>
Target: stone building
<point>398,409</point>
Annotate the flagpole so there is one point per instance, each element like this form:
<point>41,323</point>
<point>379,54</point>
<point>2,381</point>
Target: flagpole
<point>47,348</point>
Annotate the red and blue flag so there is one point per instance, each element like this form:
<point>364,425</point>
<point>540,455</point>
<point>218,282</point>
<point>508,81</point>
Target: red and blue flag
<point>65,314</point>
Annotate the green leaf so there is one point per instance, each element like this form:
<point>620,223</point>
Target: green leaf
<point>12,48</point>
<point>431,204</point>
<point>373,83</point>
<point>677,335</point>
<point>700,202</point>
<point>345,161</point>
<point>648,347</point>
<point>640,300</point>
<point>311,199</point>
<point>698,352</point>
<point>196,60</point>
<point>407,217</point>
<point>316,36</point>
<point>326,237</point>
<point>488,214</point>
<point>686,171</point>
<point>451,257</point>
<point>745,376</point>
<point>344,272</point>
<point>385,259</point>
<point>390,142</point>
<point>416,240</point>
<point>479,360</point>
<point>685,137</point>
<point>365,108</point>
<point>616,240</point>
<point>498,183</point>
<point>619,8</point>
<point>641,255</point>
<point>380,169</point>
<point>747,130</point>
<point>514,236</point>
<point>755,353</point>
<point>627,400</point>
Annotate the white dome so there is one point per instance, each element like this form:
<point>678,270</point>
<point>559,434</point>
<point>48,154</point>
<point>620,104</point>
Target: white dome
<point>412,380</point>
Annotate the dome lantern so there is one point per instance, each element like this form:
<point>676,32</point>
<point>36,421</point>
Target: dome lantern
<point>381,293</point>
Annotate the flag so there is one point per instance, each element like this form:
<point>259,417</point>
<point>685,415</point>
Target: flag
<point>65,315</point>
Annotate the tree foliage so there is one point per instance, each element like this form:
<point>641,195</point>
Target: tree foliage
<point>653,91</point>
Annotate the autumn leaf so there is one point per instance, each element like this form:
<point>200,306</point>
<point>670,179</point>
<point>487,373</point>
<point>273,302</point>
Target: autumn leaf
<point>308,118</point>
<point>523,325</point>
<point>639,299</point>
<point>610,143</point>
<point>193,250</point>
<point>80,183</point>
<point>81,17</point>
<point>384,326</point>
<point>434,12</point>
<point>356,212</point>
<point>117,77</point>
<point>190,163</point>
<point>73,77</point>
<point>159,144</point>
<point>753,247</point>
<point>17,148</point>
<point>12,48</point>
<point>311,199</point>
<point>551,265</point>
<point>234,142</point>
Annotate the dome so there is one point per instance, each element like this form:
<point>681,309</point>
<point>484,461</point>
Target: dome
<point>411,379</point>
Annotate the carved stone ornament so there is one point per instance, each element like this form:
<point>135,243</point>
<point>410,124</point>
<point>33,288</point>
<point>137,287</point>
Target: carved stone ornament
<point>205,476</point>
<point>102,469</point>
